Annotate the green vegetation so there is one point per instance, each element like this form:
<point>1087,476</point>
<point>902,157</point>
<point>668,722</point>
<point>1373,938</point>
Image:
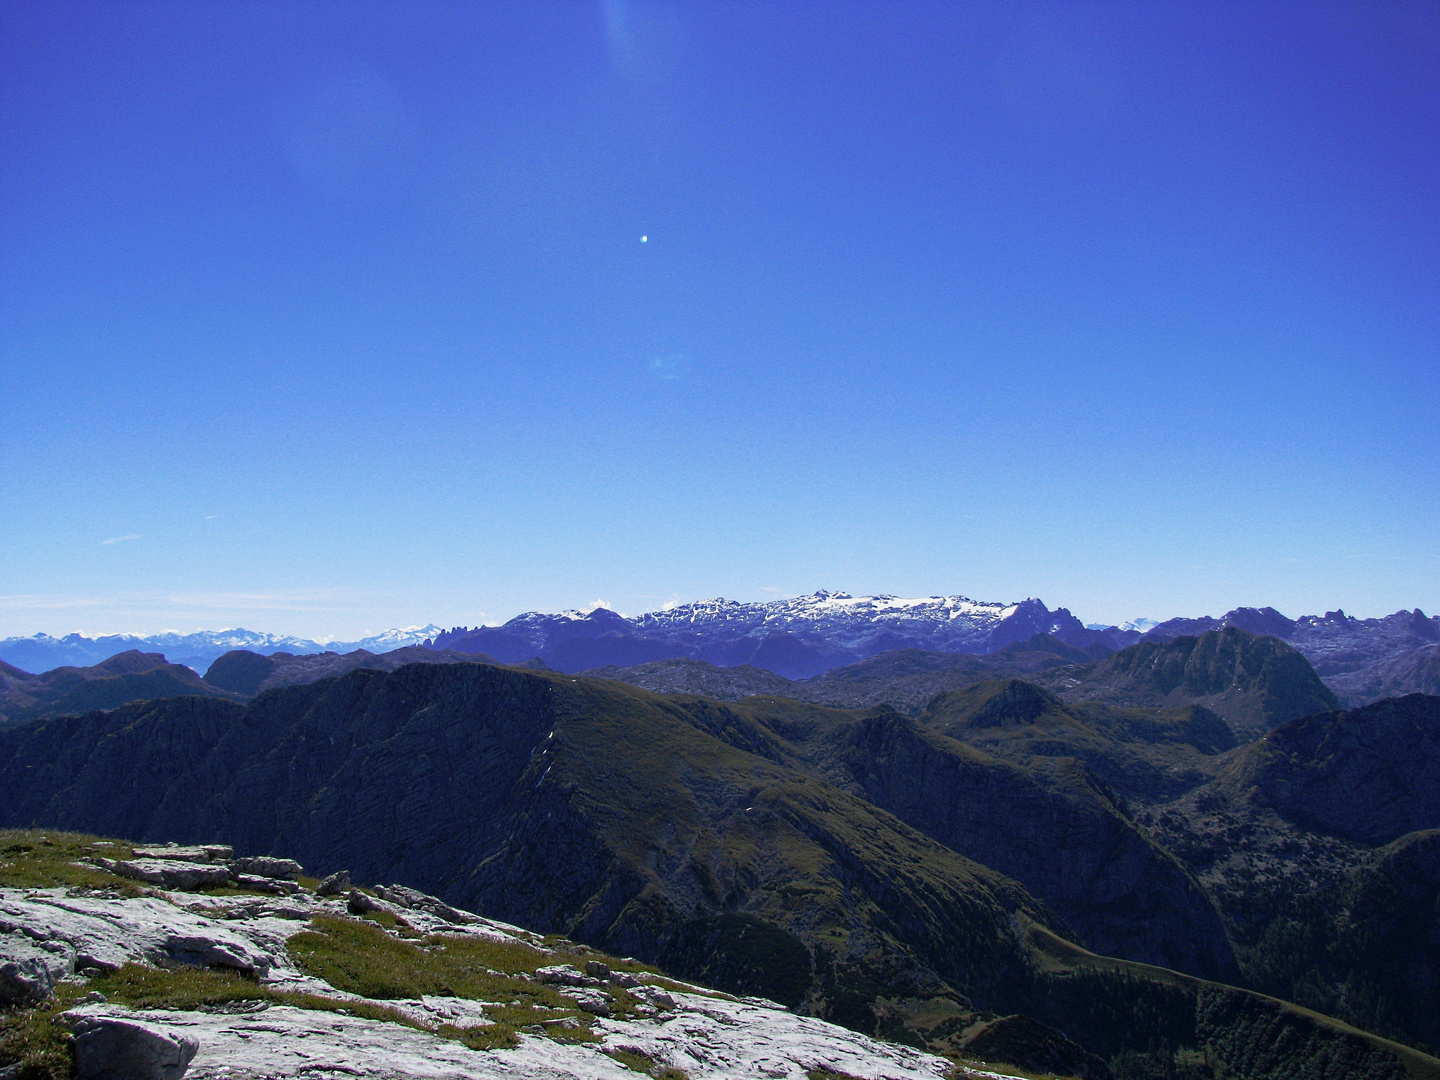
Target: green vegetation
<point>40,860</point>
<point>637,1060</point>
<point>34,1039</point>
<point>358,957</point>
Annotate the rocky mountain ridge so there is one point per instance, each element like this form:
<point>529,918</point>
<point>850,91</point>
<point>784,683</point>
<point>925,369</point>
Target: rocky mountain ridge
<point>1360,659</point>
<point>1252,682</point>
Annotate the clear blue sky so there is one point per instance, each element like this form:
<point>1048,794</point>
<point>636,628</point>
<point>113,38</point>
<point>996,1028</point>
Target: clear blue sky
<point>323,318</point>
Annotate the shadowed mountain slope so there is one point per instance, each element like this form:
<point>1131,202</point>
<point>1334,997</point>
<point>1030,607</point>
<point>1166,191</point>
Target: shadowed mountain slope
<point>1413,671</point>
<point>1317,845</point>
<point>1370,774</point>
<point>247,673</point>
<point>572,805</point>
<point>1056,830</point>
<point>125,677</point>
<point>1145,754</point>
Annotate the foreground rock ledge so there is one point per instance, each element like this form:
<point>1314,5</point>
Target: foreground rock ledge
<point>706,1036</point>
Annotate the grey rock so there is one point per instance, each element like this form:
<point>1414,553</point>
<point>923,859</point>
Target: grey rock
<point>208,951</point>
<point>565,975</point>
<point>110,1048</point>
<point>30,964</point>
<point>419,901</point>
<point>267,866</point>
<point>625,979</point>
<point>595,1002</point>
<point>170,873</point>
<point>25,982</point>
<point>271,886</point>
<point>197,853</point>
<point>358,903</point>
<point>10,1072</point>
<point>597,970</point>
<point>98,933</point>
<point>335,884</point>
<point>656,997</point>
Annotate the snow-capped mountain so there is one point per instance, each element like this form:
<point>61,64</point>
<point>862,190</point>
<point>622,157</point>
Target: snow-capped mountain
<point>198,650</point>
<point>796,637</point>
<point>943,623</point>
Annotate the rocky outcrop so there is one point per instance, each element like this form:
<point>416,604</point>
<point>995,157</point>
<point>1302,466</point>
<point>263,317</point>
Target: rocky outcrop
<point>1362,660</point>
<point>29,967</point>
<point>97,932</point>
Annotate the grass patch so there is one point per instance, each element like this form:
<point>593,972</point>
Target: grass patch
<point>198,989</point>
<point>32,1039</point>
<point>30,859</point>
<point>561,1024</point>
<point>634,1058</point>
<point>359,957</point>
<point>491,1037</point>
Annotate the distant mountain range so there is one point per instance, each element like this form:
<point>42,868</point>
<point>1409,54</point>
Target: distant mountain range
<point>1361,660</point>
<point>197,651</point>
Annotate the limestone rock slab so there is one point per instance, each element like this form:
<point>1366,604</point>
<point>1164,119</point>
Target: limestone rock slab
<point>123,1048</point>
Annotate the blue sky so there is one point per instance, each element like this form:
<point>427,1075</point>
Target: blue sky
<point>326,318</point>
